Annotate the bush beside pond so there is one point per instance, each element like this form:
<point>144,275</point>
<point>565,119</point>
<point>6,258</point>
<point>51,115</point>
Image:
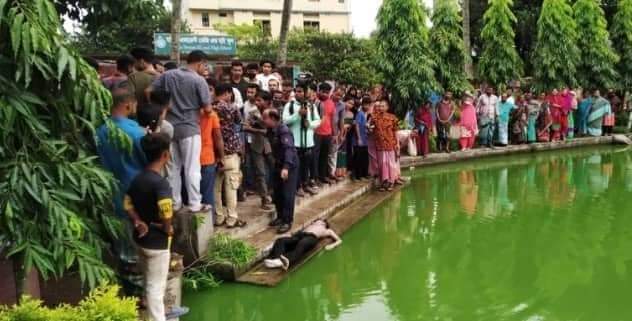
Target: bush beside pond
<point>103,304</point>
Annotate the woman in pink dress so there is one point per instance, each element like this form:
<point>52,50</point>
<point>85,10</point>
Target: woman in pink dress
<point>468,123</point>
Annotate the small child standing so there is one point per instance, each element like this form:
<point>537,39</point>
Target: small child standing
<point>360,148</point>
<point>345,153</point>
<point>162,99</point>
<point>149,205</point>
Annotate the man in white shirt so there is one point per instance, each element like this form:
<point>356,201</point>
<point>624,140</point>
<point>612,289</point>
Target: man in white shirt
<point>486,111</point>
<point>266,74</point>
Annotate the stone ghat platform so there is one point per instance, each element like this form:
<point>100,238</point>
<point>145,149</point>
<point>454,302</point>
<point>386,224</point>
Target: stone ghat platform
<point>442,158</point>
<point>347,202</point>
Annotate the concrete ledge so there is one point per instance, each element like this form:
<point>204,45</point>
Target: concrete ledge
<point>340,222</point>
<point>441,158</point>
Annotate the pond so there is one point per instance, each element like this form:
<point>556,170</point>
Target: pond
<point>537,237</point>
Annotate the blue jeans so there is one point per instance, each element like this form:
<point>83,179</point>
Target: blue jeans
<point>207,185</point>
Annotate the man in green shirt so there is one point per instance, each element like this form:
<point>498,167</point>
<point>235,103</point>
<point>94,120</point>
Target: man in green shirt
<point>301,117</point>
<point>144,74</point>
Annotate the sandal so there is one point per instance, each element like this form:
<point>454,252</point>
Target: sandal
<point>389,188</point>
<point>238,223</point>
<point>383,187</point>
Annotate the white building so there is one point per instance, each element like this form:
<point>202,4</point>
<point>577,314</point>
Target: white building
<point>326,15</point>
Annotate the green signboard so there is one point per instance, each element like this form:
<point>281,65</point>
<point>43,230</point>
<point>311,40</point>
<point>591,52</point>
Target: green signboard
<point>211,45</point>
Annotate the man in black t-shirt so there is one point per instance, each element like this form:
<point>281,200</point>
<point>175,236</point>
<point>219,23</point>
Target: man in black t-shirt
<point>149,205</point>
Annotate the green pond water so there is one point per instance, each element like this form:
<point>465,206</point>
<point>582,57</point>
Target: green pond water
<point>536,237</point>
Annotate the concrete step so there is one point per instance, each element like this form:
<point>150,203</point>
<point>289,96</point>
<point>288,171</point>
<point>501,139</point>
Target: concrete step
<point>340,222</point>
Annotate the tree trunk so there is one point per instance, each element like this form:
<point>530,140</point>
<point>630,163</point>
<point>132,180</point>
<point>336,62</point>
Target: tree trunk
<point>467,41</point>
<point>285,27</point>
<point>176,21</point>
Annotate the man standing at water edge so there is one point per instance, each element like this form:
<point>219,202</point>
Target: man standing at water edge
<point>486,114</point>
<point>285,171</point>
<point>190,94</point>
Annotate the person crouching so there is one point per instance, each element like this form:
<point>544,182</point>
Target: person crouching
<point>284,172</point>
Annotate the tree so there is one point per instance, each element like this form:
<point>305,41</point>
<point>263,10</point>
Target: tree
<point>56,198</point>
<point>597,57</point>
<point>342,57</point>
<point>404,56</point>
<point>113,26</point>
<point>556,54</point>
<point>448,47</point>
<point>500,62</point>
<point>285,28</point>
<point>467,39</point>
<point>622,39</point>
<point>527,13</point>
<point>252,42</point>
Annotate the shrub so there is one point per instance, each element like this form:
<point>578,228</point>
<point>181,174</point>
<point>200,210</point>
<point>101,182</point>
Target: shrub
<point>103,304</point>
<point>223,250</point>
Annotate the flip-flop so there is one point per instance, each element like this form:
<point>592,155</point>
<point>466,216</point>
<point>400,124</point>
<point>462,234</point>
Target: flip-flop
<point>238,223</point>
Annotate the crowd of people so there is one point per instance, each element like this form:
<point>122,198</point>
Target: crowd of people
<point>203,142</point>
<point>513,118</point>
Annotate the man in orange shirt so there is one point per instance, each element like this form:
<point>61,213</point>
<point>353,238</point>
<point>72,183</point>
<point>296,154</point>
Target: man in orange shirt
<point>212,149</point>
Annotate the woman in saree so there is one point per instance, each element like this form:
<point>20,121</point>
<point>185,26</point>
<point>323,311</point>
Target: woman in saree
<point>519,120</point>
<point>600,109</point>
<point>583,110</point>
<point>423,126</point>
<point>533,110</point>
<point>556,105</point>
<point>386,144</point>
<point>468,123</point>
<point>545,121</point>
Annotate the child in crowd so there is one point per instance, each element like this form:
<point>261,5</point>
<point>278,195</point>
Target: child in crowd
<point>149,117</point>
<point>162,99</point>
<point>360,146</point>
<point>370,143</point>
<point>345,152</point>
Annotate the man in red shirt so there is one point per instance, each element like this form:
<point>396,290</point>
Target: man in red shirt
<point>324,133</point>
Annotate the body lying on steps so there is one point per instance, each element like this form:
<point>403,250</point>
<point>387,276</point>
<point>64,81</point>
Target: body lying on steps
<point>286,251</point>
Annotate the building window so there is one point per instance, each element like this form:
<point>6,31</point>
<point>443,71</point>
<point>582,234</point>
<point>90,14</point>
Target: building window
<point>311,25</point>
<point>223,14</point>
<point>341,1</point>
<point>265,25</point>
<point>205,20</point>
